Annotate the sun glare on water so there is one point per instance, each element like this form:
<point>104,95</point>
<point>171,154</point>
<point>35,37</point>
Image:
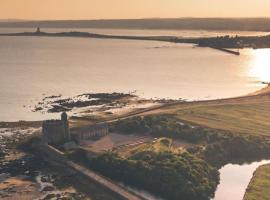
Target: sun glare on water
<point>261,66</point>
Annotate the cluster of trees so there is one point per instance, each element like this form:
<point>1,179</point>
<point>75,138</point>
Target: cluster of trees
<point>233,148</point>
<point>190,175</point>
<point>165,174</point>
<point>165,126</point>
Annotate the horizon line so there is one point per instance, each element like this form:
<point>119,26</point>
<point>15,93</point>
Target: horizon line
<point>108,19</point>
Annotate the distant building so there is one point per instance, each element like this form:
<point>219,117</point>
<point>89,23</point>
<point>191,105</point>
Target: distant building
<point>56,132</point>
<point>38,30</point>
<point>92,131</point>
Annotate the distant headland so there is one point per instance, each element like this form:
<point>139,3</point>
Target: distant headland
<point>223,43</point>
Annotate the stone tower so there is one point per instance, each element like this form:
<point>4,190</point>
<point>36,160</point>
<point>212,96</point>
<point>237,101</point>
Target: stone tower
<point>64,119</point>
<point>38,30</point>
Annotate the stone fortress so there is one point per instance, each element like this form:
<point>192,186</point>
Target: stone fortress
<point>57,132</point>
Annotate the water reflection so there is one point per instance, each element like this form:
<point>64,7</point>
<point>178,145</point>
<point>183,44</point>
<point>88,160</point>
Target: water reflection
<point>261,66</point>
<point>234,180</point>
<point>72,66</point>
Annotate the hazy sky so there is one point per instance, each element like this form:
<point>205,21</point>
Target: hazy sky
<point>109,9</point>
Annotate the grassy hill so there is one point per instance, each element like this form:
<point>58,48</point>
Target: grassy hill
<point>247,115</point>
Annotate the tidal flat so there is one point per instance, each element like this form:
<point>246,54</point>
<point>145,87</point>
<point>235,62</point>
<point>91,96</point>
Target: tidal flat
<point>26,175</point>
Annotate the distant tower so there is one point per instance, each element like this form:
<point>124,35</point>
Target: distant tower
<point>64,119</point>
<point>38,30</point>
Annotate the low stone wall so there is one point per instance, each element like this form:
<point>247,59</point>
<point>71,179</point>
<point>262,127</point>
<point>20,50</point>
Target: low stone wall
<point>59,157</point>
<point>53,153</point>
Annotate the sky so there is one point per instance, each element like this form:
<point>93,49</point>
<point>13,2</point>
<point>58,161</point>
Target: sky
<point>130,9</point>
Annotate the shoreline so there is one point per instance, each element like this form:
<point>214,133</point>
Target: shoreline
<point>260,93</point>
<point>26,174</point>
<point>37,123</point>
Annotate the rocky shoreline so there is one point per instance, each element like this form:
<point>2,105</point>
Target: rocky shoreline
<point>26,175</point>
<point>57,104</point>
<point>97,105</point>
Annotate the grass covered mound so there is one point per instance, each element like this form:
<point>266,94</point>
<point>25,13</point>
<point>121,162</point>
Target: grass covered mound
<point>259,187</point>
<point>168,175</point>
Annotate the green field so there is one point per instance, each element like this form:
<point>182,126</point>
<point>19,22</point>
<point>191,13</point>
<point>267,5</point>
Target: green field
<point>259,187</point>
<point>246,115</point>
<point>243,118</point>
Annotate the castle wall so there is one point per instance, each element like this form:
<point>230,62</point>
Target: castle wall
<point>54,132</point>
<point>93,132</point>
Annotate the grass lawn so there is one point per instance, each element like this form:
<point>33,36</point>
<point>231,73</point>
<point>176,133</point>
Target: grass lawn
<point>247,115</point>
<point>243,118</point>
<point>259,187</point>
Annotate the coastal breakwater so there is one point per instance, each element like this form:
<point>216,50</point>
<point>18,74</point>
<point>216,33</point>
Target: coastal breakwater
<point>54,155</point>
<point>237,53</point>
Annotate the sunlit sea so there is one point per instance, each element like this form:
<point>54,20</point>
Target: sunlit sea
<point>34,67</point>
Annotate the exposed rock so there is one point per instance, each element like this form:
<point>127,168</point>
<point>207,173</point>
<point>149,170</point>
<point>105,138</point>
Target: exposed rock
<point>49,197</point>
<point>45,179</point>
<point>48,188</point>
<point>5,195</point>
<point>12,189</point>
<point>58,104</point>
<point>3,177</point>
<point>66,198</point>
